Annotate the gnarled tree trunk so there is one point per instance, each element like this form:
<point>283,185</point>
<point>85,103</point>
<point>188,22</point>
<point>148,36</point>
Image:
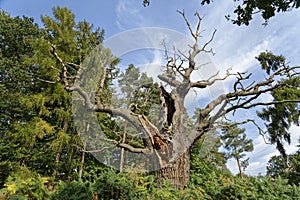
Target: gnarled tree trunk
<point>178,172</point>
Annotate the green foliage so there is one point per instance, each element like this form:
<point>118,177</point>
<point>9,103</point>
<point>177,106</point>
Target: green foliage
<point>208,148</point>
<point>16,39</point>
<point>277,166</point>
<point>269,61</point>
<point>112,185</point>
<point>73,41</point>
<point>281,117</point>
<point>285,167</point>
<point>258,188</point>
<point>5,169</point>
<point>24,184</point>
<point>236,143</point>
<point>207,182</point>
<point>146,3</point>
<point>245,10</point>
<point>140,93</point>
<point>294,172</point>
<point>73,191</point>
<point>36,120</point>
<point>18,84</point>
<point>212,183</point>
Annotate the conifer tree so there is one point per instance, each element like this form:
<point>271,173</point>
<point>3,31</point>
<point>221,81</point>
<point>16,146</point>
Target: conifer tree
<point>236,143</point>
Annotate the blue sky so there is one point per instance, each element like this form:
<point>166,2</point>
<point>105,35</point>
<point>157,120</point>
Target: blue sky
<point>234,46</point>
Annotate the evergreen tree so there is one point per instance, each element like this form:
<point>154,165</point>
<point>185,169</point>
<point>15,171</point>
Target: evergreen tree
<point>16,85</point>
<point>236,143</point>
<point>287,167</point>
<point>37,128</point>
<point>280,117</point>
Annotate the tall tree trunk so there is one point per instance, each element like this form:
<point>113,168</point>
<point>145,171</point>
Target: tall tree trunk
<point>240,167</point>
<point>57,159</point>
<point>58,153</point>
<point>82,161</point>
<point>122,150</point>
<point>178,172</point>
<point>83,154</point>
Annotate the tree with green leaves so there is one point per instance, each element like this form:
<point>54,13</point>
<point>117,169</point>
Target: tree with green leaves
<point>16,85</point>
<point>73,41</point>
<point>277,166</point>
<point>37,129</point>
<point>208,147</point>
<point>280,117</point>
<point>287,167</point>
<point>236,143</point>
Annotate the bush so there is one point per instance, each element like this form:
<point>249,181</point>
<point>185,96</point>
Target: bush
<point>73,191</point>
<point>112,185</point>
<point>24,184</point>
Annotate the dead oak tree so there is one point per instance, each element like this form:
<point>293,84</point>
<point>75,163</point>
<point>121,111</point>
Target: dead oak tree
<point>169,147</point>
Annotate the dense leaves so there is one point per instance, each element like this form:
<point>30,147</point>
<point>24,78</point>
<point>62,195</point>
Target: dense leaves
<point>286,167</point>
<point>269,61</point>
<point>207,182</point>
<point>267,9</point>
<point>16,85</point>
<point>36,118</point>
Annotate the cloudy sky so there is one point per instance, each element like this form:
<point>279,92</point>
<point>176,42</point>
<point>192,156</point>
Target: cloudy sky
<point>234,46</point>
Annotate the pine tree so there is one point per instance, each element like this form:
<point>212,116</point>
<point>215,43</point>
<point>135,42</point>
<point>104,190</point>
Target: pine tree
<point>236,143</point>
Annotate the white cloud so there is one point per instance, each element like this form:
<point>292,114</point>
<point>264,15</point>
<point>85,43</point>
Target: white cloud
<point>260,156</point>
<point>237,46</point>
<point>153,67</point>
<point>129,15</point>
<point>295,130</point>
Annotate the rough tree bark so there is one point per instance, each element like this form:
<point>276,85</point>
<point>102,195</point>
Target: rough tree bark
<point>177,172</point>
<point>168,144</point>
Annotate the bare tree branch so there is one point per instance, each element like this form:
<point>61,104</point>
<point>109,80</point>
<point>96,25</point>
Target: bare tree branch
<point>64,72</point>
<point>152,137</point>
<point>116,144</point>
<point>270,103</point>
<point>207,43</point>
<point>133,149</point>
<point>195,35</point>
<point>260,130</point>
<point>205,83</point>
<point>166,77</point>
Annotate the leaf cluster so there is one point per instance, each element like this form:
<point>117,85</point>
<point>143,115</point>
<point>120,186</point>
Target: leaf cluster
<point>245,10</point>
